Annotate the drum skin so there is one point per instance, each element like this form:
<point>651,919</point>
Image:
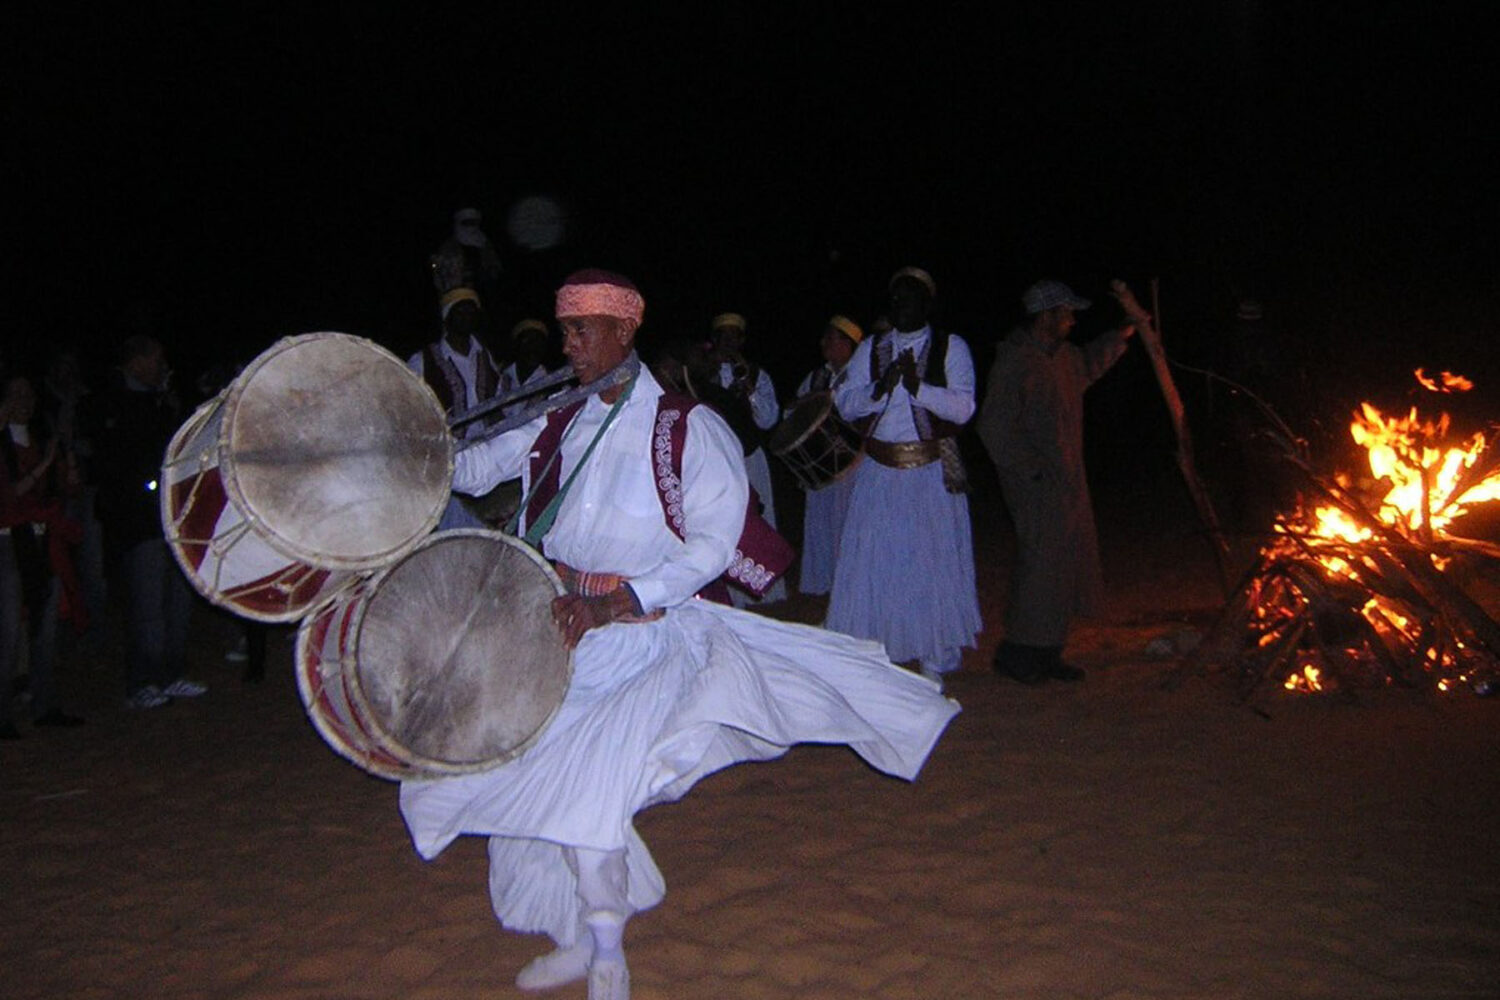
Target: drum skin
<point>815,443</point>
<point>325,459</point>
<point>339,449</point>
<point>447,662</point>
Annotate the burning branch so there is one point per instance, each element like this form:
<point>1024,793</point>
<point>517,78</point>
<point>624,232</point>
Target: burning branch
<point>1356,589</point>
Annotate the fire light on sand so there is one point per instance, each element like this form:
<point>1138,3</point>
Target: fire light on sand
<point>1366,582</point>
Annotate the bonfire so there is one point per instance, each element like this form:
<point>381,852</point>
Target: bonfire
<point>1368,580</point>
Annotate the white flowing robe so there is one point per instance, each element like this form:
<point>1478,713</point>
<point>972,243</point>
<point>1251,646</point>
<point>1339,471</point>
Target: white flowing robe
<point>655,706</point>
<point>905,571</point>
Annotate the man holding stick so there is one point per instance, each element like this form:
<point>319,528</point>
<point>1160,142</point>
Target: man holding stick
<point>1031,424</point>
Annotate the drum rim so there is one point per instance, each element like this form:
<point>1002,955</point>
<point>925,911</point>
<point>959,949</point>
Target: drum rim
<point>824,395</point>
<point>230,475</point>
<point>172,536</point>
<point>420,763</point>
<point>362,758</point>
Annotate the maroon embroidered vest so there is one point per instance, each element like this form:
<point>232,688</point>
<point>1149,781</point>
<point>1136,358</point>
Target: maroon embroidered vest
<point>761,555</point>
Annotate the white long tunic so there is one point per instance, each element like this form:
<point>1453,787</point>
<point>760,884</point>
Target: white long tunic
<point>905,571</point>
<point>655,706</point>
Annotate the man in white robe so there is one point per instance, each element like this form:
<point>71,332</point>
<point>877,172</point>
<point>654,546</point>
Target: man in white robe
<point>462,374</point>
<point>826,507</point>
<point>666,687</point>
<point>905,573</point>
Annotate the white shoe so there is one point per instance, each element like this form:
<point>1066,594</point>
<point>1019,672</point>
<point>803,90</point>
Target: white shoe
<point>149,696</point>
<point>184,688</point>
<point>557,968</point>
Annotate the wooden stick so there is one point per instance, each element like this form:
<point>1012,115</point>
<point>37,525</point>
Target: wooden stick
<point>1151,340</point>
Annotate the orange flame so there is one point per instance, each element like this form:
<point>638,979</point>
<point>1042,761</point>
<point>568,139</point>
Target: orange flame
<point>1446,382</point>
<point>1423,473</point>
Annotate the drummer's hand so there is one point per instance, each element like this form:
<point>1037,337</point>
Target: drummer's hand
<point>888,380</point>
<point>575,614</point>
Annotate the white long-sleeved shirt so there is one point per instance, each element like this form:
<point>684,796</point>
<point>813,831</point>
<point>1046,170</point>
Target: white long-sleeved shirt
<point>611,520</point>
<point>953,402</point>
<point>763,408</point>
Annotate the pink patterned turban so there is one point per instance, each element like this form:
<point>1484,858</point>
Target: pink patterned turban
<point>600,293</point>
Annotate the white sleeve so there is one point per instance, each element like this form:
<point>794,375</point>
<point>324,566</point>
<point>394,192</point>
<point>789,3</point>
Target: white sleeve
<point>955,401</point>
<point>853,397</point>
<point>715,496</point>
<point>763,402</point>
<point>479,468</point>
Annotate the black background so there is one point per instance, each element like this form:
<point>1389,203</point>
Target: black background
<point>225,177</point>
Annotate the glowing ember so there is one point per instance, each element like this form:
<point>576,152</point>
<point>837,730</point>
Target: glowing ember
<point>1308,681</point>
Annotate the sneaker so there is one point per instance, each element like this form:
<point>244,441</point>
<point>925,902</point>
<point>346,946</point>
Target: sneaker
<point>184,688</point>
<point>149,696</point>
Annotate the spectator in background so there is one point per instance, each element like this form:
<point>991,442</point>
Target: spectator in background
<point>136,418</point>
<point>466,259</point>
<point>35,541</point>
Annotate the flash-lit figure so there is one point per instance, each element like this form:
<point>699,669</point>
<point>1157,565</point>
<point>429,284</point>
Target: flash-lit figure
<point>823,515</point>
<point>743,379</point>
<point>667,687</point>
<point>905,573</point>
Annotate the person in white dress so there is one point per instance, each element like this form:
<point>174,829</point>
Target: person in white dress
<point>666,687</point>
<point>905,573</point>
<point>826,507</point>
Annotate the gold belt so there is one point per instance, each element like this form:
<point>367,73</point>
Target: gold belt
<point>904,454</point>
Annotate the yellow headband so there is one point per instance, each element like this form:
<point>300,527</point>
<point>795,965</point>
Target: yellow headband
<point>847,326</point>
<point>454,296</point>
<point>528,324</point>
<point>917,274</point>
<point>728,319</point>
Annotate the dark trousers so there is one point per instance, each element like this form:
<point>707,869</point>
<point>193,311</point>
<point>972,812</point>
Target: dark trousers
<point>158,604</point>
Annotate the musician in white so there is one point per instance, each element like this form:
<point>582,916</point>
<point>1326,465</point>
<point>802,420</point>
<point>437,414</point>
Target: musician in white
<point>667,688</point>
<point>752,383</point>
<point>825,509</point>
<point>528,346</point>
<point>905,573</point>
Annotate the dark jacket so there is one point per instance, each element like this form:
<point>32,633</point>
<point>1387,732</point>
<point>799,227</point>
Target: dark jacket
<point>131,428</point>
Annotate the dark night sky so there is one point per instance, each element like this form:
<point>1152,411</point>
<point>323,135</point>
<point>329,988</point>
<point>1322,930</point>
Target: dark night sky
<point>234,175</point>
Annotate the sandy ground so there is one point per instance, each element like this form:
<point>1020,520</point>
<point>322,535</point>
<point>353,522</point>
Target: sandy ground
<point>1122,838</point>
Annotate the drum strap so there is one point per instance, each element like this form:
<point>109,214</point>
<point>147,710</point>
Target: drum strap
<point>536,531</point>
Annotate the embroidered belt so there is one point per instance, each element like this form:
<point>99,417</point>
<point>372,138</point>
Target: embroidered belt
<point>904,454</point>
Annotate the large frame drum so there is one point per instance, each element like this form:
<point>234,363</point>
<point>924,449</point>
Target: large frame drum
<point>326,458</point>
<point>447,662</point>
<point>815,443</point>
